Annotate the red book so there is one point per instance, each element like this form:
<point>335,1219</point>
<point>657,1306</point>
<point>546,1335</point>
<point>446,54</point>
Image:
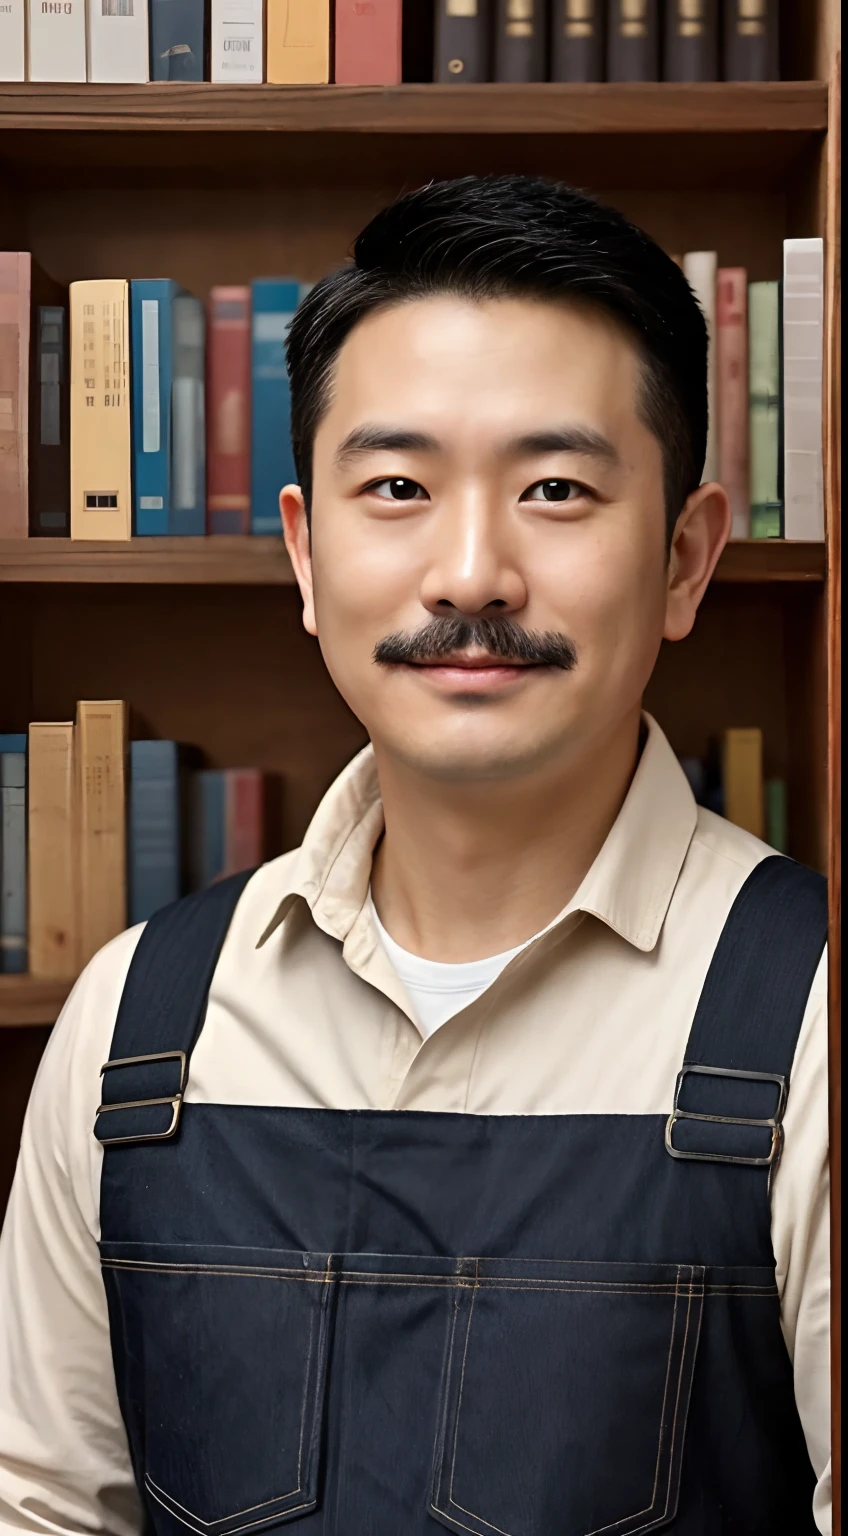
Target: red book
<point>368,42</point>
<point>732,393</point>
<point>252,803</point>
<point>15,270</point>
<point>228,412</point>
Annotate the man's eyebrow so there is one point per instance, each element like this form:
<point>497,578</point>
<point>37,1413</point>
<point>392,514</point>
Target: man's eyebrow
<point>585,440</point>
<point>372,438</point>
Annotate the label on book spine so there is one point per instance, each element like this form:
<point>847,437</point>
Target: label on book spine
<point>56,40</point>
<point>150,435</point>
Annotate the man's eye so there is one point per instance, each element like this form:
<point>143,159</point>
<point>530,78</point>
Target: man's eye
<point>399,489</point>
<point>554,490</point>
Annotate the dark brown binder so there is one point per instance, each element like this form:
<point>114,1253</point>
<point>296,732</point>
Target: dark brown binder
<point>577,40</point>
<point>751,44</point>
<point>463,41</point>
<point>633,40</point>
<point>690,49</point>
<point>520,53</point>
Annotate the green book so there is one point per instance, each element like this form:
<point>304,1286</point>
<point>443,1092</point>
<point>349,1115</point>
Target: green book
<point>776,827</point>
<point>764,410</point>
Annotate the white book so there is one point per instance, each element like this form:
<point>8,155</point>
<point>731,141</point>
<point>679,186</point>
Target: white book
<point>12,40</point>
<point>237,42</point>
<point>803,346</point>
<point>699,268</point>
<point>118,48</point>
<point>57,40</point>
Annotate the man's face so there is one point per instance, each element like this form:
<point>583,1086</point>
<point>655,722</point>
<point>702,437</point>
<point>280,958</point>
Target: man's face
<point>486,461</point>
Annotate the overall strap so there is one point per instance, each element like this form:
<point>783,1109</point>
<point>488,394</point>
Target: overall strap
<point>161,1014</point>
<point>731,1092</point>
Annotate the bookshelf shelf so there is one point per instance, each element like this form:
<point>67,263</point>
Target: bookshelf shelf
<point>262,562</point>
<point>27,1000</point>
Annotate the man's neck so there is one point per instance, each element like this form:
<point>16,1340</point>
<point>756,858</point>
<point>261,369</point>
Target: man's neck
<point>467,870</point>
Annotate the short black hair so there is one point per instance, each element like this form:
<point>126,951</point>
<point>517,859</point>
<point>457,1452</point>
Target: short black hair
<point>484,237</point>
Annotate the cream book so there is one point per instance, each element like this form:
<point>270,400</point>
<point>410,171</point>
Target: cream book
<point>237,41</point>
<point>52,894</point>
<point>118,44</point>
<point>101,752</point>
<point>12,40</point>
<point>298,42</point>
<point>56,40</point>
<point>803,351</point>
<point>101,505</point>
<point>699,269</point>
<point>742,774</point>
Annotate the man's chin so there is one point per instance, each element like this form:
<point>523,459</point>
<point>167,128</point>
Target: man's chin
<point>468,763</point>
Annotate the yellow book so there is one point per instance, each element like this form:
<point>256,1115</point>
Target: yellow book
<point>51,885</point>
<point>298,42</point>
<point>743,779</point>
<point>101,505</point>
<point>102,811</point>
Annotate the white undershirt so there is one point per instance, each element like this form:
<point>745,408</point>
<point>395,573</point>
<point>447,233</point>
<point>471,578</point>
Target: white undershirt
<point>438,990</point>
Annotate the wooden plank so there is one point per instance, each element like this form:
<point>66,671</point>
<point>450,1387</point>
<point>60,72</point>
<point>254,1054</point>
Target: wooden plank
<point>26,1000</point>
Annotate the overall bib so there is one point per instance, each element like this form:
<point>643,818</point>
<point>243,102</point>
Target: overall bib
<point>378,1323</point>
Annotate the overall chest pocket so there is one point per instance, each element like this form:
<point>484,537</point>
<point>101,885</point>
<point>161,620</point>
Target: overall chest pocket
<point>223,1361</point>
<point>565,1398</point>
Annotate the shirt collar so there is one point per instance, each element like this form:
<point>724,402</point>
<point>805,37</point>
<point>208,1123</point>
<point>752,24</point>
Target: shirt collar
<point>629,886</point>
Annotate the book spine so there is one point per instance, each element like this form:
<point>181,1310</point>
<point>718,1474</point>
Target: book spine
<point>13,863</point>
<point>577,40</point>
<point>49,424</point>
<point>236,43</point>
<point>244,844</point>
<point>13,741</point>
<point>732,390</point>
<point>699,268</point>
<point>751,40</point>
<point>57,40</point>
<point>742,773</point>
<point>777,823</point>
<point>12,40</point>
<point>272,462</point>
<point>101,799</point>
<point>463,41</point>
<point>520,40</point>
<point>150,356</point>
<point>153,843</point>
<point>188,440</point>
<point>803,349</point>
<point>101,502</point>
<point>691,40</point>
<point>15,280</point>
<point>179,39</point>
<point>764,409</point>
<point>633,40</point>
<point>228,414</point>
<point>118,45</point>
<point>207,825</point>
<point>53,938</point>
<point>368,42</point>
<point>299,42</point>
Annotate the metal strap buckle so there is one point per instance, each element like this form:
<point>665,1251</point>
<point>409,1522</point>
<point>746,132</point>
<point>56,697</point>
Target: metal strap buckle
<point>774,1123</point>
<point>175,1101</point>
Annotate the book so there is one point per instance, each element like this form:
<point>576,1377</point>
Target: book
<point>152,363</point>
<point>251,800</point>
<point>118,47</point>
<point>463,41</point>
<point>236,42</point>
<point>15,278</point>
<point>13,863</point>
<point>207,828</point>
<point>101,752</point>
<point>367,42</point>
<point>803,351</point>
<point>690,49</point>
<point>699,268</point>
<point>188,463</point>
<point>732,393</point>
<point>273,302</point>
<point>777,825</point>
<point>53,937</point>
<point>228,411</point>
<point>298,42</point>
<point>742,774</point>
<point>520,40</point>
<point>764,410</point>
<point>751,40</point>
<point>179,39</point>
<point>577,40</point>
<point>101,503</point>
<point>12,41</point>
<point>56,37</point>
<point>633,40</point>
<point>50,422</point>
<point>156,835</point>
<point>14,741</point>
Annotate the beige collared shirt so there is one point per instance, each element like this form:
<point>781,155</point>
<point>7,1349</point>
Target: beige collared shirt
<point>305,1010</point>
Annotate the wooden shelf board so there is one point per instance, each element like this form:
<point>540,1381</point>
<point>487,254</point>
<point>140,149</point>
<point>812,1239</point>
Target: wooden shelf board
<point>250,561</point>
<point>27,1000</point>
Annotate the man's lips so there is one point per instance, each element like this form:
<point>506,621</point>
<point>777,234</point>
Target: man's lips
<point>472,673</point>
<point>466,663</point>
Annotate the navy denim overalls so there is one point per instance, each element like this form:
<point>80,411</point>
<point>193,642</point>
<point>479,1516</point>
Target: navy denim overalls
<point>377,1323</point>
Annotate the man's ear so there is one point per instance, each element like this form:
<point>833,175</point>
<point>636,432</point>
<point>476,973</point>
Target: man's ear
<point>296,534</point>
<point>700,534</point>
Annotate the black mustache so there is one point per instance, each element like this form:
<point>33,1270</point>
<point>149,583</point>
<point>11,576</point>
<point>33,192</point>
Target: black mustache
<point>498,637</point>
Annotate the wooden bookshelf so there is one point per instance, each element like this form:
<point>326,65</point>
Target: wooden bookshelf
<point>27,1000</point>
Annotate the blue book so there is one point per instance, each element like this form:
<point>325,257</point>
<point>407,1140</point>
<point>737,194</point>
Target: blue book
<point>13,868</point>
<point>271,462</point>
<point>179,40</point>
<point>151,355</point>
<point>13,743</point>
<point>154,840</point>
<point>207,842</point>
<point>188,428</point>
